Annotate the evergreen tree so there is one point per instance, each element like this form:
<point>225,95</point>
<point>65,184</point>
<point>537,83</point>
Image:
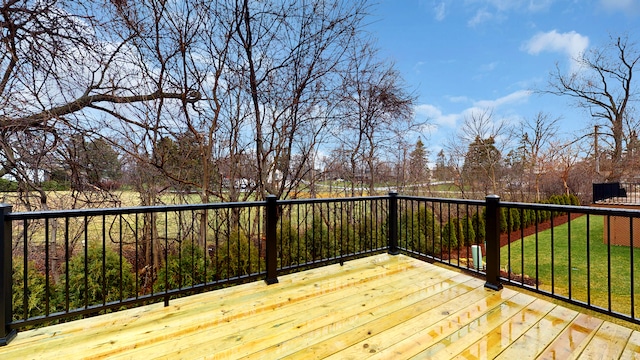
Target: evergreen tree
<point>418,167</point>
<point>481,163</point>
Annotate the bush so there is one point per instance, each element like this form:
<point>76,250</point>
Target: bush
<point>368,237</point>
<point>346,238</point>
<point>574,200</point>
<point>449,235</point>
<point>235,256</point>
<point>186,268</point>
<point>8,185</point>
<point>467,235</point>
<point>290,250</point>
<point>316,239</point>
<point>111,287</point>
<point>419,230</point>
<point>515,219</point>
<point>478,220</point>
<point>53,185</point>
<point>36,296</point>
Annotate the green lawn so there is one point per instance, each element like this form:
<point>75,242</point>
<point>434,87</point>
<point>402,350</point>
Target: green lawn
<point>560,256</point>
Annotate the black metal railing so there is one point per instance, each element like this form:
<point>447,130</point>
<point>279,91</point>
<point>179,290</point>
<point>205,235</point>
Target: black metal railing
<point>586,256</point>
<point>617,193</point>
<point>582,255</point>
<point>62,265</point>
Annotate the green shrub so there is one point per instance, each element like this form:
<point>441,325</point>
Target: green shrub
<point>36,290</point>
<point>53,185</point>
<point>290,250</point>
<point>478,221</point>
<point>186,268</point>
<point>8,185</point>
<point>449,235</point>
<point>346,238</point>
<point>504,226</point>
<point>515,219</point>
<point>316,239</point>
<point>118,277</point>
<point>574,200</point>
<point>419,231</point>
<point>368,237</point>
<point>235,256</point>
<point>467,235</point>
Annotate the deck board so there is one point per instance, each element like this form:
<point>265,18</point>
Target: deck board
<point>379,307</point>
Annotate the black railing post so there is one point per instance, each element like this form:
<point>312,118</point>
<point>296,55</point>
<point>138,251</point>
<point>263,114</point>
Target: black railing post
<point>272,248</point>
<point>492,248</point>
<point>393,223</point>
<point>6,310</point>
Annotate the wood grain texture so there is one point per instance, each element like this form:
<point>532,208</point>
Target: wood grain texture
<point>379,307</point>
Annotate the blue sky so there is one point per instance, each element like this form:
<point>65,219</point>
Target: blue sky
<point>458,56</point>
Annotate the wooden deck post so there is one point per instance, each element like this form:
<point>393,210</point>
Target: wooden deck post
<point>393,223</point>
<point>6,269</point>
<point>272,248</point>
<point>492,248</point>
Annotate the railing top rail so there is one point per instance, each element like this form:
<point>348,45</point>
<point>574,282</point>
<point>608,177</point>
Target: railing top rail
<point>444,200</point>
<point>593,210</point>
<point>51,214</point>
<point>332,200</point>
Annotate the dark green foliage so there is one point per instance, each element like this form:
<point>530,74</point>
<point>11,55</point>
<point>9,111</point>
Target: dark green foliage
<point>368,237</point>
<point>515,219</point>
<point>467,235</point>
<point>504,226</point>
<point>186,268</point>
<point>8,185</point>
<point>574,200</point>
<point>419,231</point>
<point>53,185</point>
<point>316,238</point>
<point>290,250</point>
<point>234,256</point>
<point>36,297</point>
<point>449,235</point>
<point>118,277</point>
<point>478,220</point>
<point>528,216</point>
<point>346,239</point>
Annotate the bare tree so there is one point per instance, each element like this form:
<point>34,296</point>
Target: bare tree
<point>377,110</point>
<point>293,52</point>
<point>478,149</point>
<point>62,64</point>
<point>566,157</point>
<point>536,136</point>
<point>604,86</point>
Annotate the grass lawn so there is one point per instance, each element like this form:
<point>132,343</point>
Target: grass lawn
<point>573,260</point>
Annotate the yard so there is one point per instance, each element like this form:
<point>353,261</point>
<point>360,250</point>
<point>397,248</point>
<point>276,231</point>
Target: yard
<point>567,257</point>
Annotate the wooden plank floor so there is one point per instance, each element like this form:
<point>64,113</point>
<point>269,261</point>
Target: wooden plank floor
<point>381,307</point>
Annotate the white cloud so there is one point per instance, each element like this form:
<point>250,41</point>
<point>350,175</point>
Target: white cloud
<point>435,115</point>
<point>440,11</point>
<point>515,97</point>
<point>539,5</point>
<point>482,15</point>
<point>526,5</point>
<point>570,43</point>
<point>458,99</point>
<point>499,9</point>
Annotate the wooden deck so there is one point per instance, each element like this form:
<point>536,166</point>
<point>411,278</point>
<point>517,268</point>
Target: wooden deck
<point>381,307</point>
